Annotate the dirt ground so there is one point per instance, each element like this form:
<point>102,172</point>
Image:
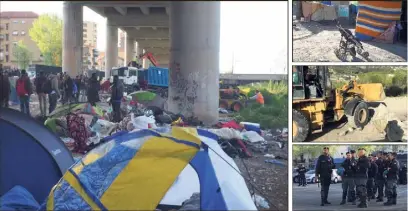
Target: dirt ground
<point>333,132</point>
<point>315,42</point>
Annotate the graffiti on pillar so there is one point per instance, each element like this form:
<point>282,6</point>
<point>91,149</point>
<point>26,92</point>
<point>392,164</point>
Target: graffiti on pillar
<point>184,88</point>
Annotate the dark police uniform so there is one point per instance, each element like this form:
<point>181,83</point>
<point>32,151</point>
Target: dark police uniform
<point>363,164</point>
<point>391,182</point>
<point>372,173</point>
<point>302,176</point>
<point>348,184</point>
<point>351,194</point>
<point>379,179</point>
<point>324,169</point>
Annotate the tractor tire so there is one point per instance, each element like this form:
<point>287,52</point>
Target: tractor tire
<point>300,126</point>
<point>223,104</point>
<point>236,106</point>
<point>360,116</point>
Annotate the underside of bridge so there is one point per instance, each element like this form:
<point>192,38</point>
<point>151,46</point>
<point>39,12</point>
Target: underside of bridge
<point>183,36</point>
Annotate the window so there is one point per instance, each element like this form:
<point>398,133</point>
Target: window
<point>15,33</point>
<point>22,33</point>
<point>7,37</point>
<point>15,43</point>
<point>6,48</point>
<point>15,21</point>
<point>7,58</point>
<point>6,26</point>
<point>22,21</point>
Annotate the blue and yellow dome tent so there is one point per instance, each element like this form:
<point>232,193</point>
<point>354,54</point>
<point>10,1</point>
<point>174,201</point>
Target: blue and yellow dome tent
<point>143,169</point>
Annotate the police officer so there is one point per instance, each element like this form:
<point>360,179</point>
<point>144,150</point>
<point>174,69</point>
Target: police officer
<point>324,170</point>
<point>302,175</point>
<point>372,173</point>
<point>363,164</point>
<point>347,178</point>
<point>351,195</point>
<point>391,179</point>
<point>380,180</point>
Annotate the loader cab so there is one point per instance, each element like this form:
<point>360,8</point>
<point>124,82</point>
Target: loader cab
<point>310,82</point>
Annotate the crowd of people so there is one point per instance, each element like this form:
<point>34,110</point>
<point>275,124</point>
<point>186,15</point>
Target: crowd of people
<point>363,177</point>
<point>58,87</point>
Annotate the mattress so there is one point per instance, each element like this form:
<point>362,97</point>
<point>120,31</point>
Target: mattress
<point>375,17</point>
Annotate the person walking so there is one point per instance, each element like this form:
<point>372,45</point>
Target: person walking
<point>93,90</point>
<point>391,179</point>
<point>363,164</point>
<point>324,171</point>
<point>54,92</point>
<point>5,89</point>
<point>42,96</point>
<point>116,98</point>
<point>302,175</point>
<point>372,172</point>
<point>348,178</point>
<point>24,91</point>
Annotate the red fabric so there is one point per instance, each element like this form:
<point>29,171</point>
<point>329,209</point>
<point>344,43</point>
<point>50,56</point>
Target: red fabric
<point>21,90</point>
<point>105,86</point>
<point>244,149</point>
<point>77,131</point>
<point>231,124</point>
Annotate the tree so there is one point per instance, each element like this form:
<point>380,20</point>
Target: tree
<point>313,150</point>
<point>22,55</point>
<point>47,34</point>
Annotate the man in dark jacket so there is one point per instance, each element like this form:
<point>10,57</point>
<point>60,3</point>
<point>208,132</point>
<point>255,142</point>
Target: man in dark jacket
<point>68,89</point>
<point>363,164</point>
<point>4,89</point>
<point>347,178</point>
<point>42,96</point>
<point>116,98</point>
<point>391,179</point>
<point>323,171</point>
<point>351,195</point>
<point>93,90</point>
<point>24,84</point>
<point>302,175</point>
<point>379,179</point>
<point>78,82</point>
<point>372,172</point>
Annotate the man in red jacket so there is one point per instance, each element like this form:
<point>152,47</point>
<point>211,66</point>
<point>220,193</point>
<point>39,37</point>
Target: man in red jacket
<point>24,90</point>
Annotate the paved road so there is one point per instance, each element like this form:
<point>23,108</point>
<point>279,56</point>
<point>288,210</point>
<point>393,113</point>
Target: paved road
<point>308,198</point>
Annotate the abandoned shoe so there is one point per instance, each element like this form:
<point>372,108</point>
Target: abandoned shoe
<point>342,202</point>
<point>362,205</point>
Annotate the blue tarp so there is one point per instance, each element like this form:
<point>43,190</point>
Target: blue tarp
<point>18,198</point>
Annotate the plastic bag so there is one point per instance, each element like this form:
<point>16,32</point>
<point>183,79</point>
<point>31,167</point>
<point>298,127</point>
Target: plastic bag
<point>143,122</point>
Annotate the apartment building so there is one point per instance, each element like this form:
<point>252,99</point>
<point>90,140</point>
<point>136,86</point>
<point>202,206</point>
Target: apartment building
<point>15,26</point>
<point>90,33</point>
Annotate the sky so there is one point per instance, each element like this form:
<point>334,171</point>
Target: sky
<point>254,33</point>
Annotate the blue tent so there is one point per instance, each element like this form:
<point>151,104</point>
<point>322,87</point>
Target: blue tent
<point>145,169</point>
<point>30,155</point>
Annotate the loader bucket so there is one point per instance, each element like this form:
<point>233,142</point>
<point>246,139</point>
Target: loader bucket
<point>372,92</point>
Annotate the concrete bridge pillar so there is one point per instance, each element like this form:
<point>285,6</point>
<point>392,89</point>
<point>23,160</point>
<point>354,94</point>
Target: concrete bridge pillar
<point>144,61</point>
<point>194,59</point>
<point>111,54</point>
<point>129,49</point>
<point>72,39</point>
<point>139,51</point>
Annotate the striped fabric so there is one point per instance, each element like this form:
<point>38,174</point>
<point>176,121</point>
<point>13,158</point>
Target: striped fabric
<point>375,17</point>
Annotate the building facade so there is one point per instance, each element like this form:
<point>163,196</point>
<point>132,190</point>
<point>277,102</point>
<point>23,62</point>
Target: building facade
<point>90,33</point>
<point>14,27</point>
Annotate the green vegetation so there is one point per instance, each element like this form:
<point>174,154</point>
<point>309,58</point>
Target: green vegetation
<point>275,112</point>
<point>22,55</point>
<point>47,34</point>
<point>394,79</point>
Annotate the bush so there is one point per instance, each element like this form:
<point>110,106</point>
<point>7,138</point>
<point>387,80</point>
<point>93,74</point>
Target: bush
<point>394,91</point>
<point>275,112</point>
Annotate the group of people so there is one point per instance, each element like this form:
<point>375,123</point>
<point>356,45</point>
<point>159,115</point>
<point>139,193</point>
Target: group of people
<point>362,177</point>
<point>58,87</point>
